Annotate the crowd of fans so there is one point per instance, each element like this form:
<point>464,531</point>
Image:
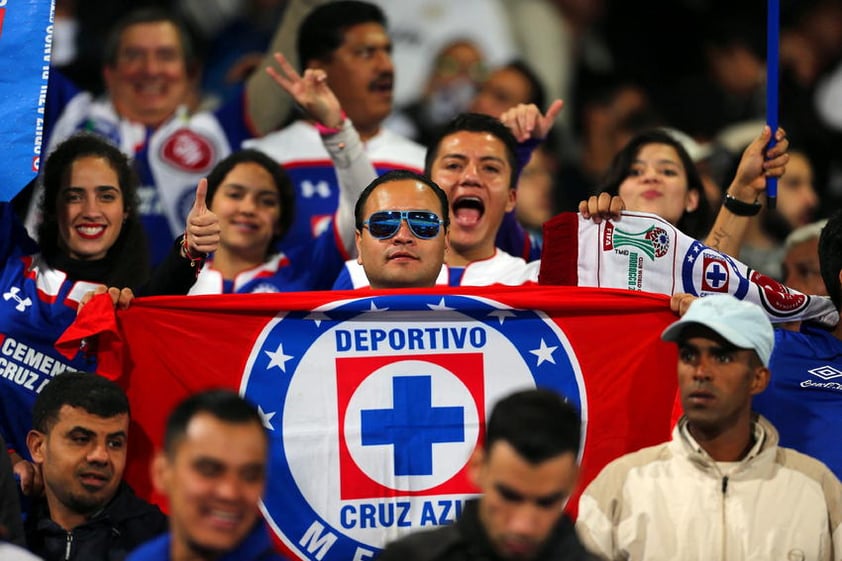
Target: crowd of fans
<point>223,147</point>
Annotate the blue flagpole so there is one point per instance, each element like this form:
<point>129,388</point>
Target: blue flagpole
<point>772,34</point>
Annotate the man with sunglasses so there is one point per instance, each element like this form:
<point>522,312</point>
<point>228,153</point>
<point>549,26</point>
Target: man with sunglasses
<point>525,470</point>
<point>402,227</point>
<point>475,161</point>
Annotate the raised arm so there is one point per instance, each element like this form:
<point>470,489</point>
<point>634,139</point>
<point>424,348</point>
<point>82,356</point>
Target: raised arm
<point>353,168</point>
<point>177,273</point>
<point>756,164</point>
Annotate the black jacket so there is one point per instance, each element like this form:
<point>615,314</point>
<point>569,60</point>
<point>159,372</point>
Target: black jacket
<point>109,535</point>
<point>466,540</point>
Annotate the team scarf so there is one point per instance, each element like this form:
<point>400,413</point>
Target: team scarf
<point>644,252</point>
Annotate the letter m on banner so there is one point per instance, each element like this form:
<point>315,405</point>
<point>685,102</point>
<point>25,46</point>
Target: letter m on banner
<point>26,29</point>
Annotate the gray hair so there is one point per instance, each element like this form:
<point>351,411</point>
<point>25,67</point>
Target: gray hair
<point>804,233</point>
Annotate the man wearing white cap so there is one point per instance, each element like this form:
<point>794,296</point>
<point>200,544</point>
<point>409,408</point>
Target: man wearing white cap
<point>722,488</point>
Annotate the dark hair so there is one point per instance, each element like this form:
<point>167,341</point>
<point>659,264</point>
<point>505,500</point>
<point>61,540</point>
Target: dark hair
<point>223,404</point>
<point>695,223</point>
<point>537,94</point>
<point>94,393</point>
<point>399,175</point>
<point>476,122</point>
<point>323,30</point>
<point>538,423</point>
<point>830,256</point>
<point>282,182</point>
<point>128,257</point>
<point>111,49</point>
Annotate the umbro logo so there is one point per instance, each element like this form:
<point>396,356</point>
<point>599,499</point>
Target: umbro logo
<point>826,372</point>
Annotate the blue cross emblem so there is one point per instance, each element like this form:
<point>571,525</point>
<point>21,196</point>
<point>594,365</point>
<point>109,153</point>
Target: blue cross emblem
<point>715,275</point>
<point>413,425</point>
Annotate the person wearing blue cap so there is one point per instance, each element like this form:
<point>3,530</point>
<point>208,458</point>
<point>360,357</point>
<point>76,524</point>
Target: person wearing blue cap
<point>716,490</point>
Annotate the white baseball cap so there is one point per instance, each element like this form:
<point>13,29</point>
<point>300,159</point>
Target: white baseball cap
<point>741,323</point>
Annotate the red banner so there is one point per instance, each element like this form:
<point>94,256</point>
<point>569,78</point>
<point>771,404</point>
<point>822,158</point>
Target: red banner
<point>375,400</point>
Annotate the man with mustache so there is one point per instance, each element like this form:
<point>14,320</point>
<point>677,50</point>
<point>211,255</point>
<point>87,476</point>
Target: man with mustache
<point>722,488</point>
<point>78,442</point>
<point>349,42</point>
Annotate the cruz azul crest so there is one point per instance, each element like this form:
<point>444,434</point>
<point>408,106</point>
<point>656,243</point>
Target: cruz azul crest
<point>374,406</point>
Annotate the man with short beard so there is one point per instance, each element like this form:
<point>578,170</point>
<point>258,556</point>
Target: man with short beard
<point>78,442</point>
<point>525,470</point>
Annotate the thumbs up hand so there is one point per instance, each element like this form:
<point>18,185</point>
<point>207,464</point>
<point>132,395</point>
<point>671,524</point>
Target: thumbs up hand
<point>201,231</point>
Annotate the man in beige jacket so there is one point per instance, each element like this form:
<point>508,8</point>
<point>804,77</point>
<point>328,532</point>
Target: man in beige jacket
<point>722,488</point>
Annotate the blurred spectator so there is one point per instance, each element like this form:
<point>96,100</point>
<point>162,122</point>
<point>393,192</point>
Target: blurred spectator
<point>458,71</point>
<point>80,31</point>
<point>348,41</point>
<point>604,124</point>
<point>236,50</point>
<point>763,245</point>
<point>536,191</point>
<point>421,28</point>
<point>800,267</point>
<point>511,84</point>
<point>151,70</point>
<point>803,396</point>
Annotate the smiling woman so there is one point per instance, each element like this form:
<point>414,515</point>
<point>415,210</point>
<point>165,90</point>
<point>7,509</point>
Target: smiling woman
<point>654,173</point>
<point>254,199</point>
<point>90,214</point>
<point>90,237</point>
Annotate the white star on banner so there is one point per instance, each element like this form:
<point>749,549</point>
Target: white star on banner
<point>501,315</point>
<point>267,418</point>
<point>440,307</point>
<point>544,353</point>
<point>374,308</point>
<point>317,317</point>
<point>278,358</point>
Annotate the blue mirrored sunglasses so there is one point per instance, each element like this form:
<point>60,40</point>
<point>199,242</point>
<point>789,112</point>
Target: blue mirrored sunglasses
<point>386,223</point>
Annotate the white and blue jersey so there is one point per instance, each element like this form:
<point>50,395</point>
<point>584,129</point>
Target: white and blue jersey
<point>311,268</point>
<point>299,149</point>
<point>804,397</point>
<point>37,303</point>
<point>502,268</point>
<point>170,159</point>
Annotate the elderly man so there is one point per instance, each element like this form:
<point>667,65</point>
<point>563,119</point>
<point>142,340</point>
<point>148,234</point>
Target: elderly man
<point>716,489</point>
